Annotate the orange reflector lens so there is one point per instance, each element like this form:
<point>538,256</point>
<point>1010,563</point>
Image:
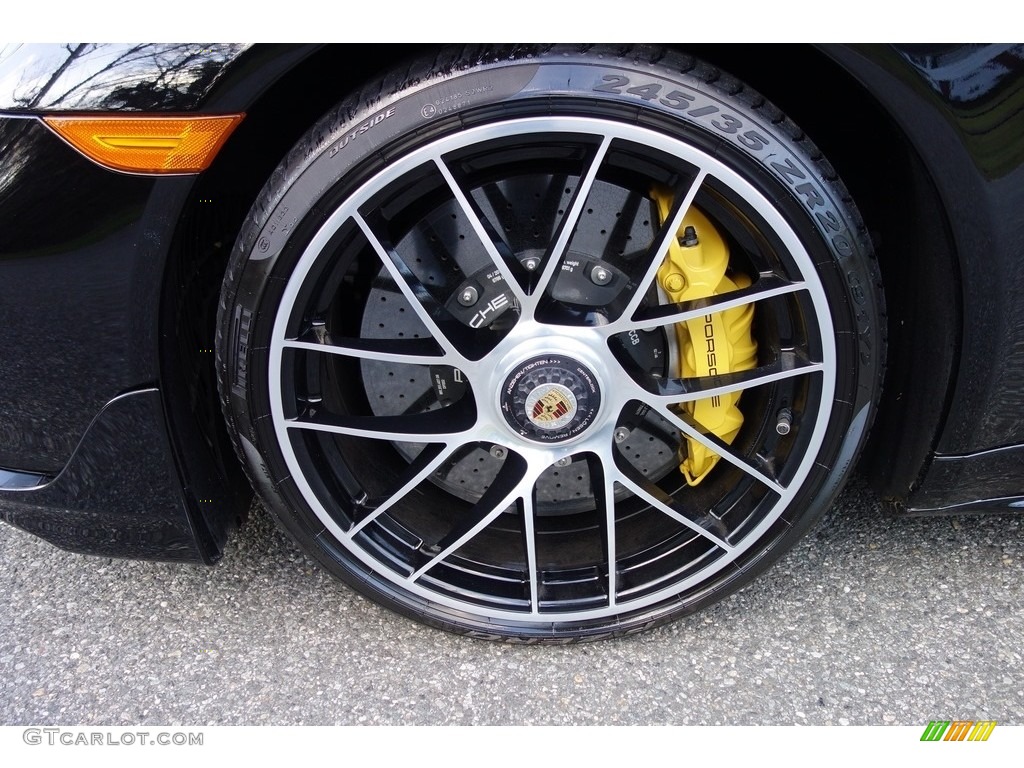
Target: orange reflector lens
<point>147,144</point>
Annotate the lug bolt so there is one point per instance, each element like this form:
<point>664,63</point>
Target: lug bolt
<point>468,296</point>
<point>675,282</point>
<point>497,452</point>
<point>600,276</point>
<point>565,461</point>
<point>531,263</point>
<point>689,238</point>
<point>784,422</point>
<point>621,434</point>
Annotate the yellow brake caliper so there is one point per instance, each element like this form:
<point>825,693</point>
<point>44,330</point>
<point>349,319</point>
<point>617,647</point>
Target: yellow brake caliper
<point>713,344</point>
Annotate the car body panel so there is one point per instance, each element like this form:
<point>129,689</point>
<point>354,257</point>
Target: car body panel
<point>94,504</point>
<point>988,480</point>
<point>967,123</point>
<point>963,109</point>
<point>87,77</point>
<point>78,254</point>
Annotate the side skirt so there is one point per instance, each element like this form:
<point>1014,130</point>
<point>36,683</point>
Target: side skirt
<point>120,494</point>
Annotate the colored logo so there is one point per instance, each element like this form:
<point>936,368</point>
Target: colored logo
<point>551,406</point>
<point>958,730</point>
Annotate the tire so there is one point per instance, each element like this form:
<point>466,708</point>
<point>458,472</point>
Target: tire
<point>455,377</point>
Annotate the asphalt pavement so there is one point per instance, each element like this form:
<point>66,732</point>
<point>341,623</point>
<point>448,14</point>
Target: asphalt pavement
<point>871,620</point>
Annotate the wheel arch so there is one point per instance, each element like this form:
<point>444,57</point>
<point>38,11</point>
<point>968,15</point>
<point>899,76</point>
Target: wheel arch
<point>282,90</point>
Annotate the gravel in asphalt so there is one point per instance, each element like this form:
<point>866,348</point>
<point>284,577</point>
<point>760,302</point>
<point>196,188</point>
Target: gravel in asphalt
<point>871,620</point>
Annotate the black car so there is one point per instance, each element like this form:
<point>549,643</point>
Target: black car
<point>533,342</point>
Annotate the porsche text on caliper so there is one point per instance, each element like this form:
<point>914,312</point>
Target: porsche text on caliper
<point>712,344</point>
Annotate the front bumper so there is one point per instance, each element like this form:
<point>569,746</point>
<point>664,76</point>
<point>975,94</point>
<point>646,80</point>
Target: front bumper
<point>120,495</point>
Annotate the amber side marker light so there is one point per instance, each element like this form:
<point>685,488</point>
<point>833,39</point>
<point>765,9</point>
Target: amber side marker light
<point>146,144</point>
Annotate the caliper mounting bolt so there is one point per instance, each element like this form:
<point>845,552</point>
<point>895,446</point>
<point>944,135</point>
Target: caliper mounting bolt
<point>497,452</point>
<point>621,434</point>
<point>675,282</point>
<point>468,296</point>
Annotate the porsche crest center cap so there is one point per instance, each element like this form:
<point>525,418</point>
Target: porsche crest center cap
<point>550,399</point>
<point>550,406</point>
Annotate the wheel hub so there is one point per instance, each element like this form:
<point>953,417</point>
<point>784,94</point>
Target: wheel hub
<point>550,398</point>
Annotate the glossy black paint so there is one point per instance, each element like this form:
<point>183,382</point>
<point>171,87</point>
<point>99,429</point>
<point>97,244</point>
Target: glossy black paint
<point>102,310</point>
<point>962,107</point>
<point>83,255</point>
<point>100,77</point>
<point>76,258</point>
<point>119,495</point>
<point>107,279</point>
<point>985,106</point>
<point>150,77</point>
<point>986,481</point>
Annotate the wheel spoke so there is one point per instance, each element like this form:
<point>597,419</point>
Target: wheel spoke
<point>767,287</point>
<point>565,230</point>
<point>601,477</point>
<point>414,291</point>
<point>659,248</point>
<point>631,478</point>
<point>469,211</point>
<point>442,425</point>
<point>527,508</point>
<point>513,482</point>
<point>684,423</point>
<point>408,351</point>
<point>428,460</point>
<point>671,391</point>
